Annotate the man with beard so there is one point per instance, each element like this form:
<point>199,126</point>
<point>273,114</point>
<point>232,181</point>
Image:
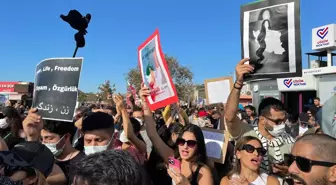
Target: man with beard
<point>313,160</point>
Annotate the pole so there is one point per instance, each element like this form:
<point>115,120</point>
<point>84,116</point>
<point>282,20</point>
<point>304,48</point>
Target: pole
<point>75,52</point>
<point>329,58</point>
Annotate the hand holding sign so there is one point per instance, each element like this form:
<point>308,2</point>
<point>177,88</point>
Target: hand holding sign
<point>242,69</point>
<point>32,125</point>
<point>144,92</point>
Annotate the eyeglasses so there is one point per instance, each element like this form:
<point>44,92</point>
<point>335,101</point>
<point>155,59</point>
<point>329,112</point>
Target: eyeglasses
<point>305,164</point>
<point>190,143</point>
<point>250,149</point>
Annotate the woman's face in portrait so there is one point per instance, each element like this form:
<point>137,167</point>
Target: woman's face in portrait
<point>266,15</point>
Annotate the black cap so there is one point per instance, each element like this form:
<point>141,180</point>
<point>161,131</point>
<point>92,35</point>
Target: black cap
<point>158,111</point>
<point>304,117</point>
<point>10,112</point>
<point>96,121</point>
<point>30,154</point>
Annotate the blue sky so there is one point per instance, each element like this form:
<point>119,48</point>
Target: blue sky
<point>203,36</point>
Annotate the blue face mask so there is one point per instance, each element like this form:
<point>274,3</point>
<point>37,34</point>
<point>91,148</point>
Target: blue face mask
<point>88,150</point>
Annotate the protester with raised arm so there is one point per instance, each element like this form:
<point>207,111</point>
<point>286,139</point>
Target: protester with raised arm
<point>130,136</point>
<point>190,150</point>
<point>270,127</point>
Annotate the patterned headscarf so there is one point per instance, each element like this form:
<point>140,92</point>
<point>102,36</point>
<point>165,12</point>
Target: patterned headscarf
<point>7,181</point>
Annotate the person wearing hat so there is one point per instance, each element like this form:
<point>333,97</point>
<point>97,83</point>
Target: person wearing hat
<point>202,119</point>
<point>28,163</point>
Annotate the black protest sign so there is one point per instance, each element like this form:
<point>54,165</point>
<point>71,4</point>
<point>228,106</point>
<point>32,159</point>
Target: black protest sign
<point>270,37</point>
<point>56,88</point>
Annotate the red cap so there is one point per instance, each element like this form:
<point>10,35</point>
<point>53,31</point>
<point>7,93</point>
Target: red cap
<point>202,114</point>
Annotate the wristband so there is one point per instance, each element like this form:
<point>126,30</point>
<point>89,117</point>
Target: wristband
<point>240,86</point>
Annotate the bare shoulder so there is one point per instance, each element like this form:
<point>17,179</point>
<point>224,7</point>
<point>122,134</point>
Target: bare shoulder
<point>272,180</point>
<point>206,176</point>
<point>205,170</point>
<point>56,170</point>
<point>224,181</point>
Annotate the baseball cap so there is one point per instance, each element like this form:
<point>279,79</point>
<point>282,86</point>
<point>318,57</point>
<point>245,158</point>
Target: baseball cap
<point>29,154</point>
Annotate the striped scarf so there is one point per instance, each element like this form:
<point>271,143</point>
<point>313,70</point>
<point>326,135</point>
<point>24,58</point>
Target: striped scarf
<point>275,143</point>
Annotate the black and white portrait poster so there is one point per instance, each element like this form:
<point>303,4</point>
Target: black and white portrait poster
<point>56,88</point>
<point>270,32</point>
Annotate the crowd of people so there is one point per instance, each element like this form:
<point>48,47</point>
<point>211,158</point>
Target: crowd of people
<point>125,144</point>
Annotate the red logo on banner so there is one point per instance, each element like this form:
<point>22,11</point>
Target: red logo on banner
<point>7,86</point>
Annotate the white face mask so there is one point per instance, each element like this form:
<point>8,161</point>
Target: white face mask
<point>3,123</point>
<point>140,121</point>
<point>52,147</point>
<point>88,150</point>
<point>123,138</point>
<point>277,130</point>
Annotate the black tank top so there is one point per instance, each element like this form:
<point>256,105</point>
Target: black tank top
<point>194,177</point>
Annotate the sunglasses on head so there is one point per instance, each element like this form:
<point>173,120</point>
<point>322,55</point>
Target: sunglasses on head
<point>190,143</point>
<point>305,164</point>
<point>250,149</point>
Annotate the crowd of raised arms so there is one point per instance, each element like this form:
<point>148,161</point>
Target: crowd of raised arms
<point>124,144</point>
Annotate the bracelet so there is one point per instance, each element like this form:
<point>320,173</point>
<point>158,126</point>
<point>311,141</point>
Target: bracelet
<point>240,86</point>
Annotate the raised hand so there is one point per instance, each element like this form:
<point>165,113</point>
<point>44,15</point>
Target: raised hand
<point>119,101</point>
<point>242,69</point>
<point>144,92</point>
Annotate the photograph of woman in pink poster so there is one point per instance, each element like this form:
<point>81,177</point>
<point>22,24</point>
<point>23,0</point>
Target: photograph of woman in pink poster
<point>154,76</point>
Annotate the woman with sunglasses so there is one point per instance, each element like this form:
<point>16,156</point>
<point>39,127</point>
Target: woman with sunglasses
<point>249,154</point>
<point>190,150</point>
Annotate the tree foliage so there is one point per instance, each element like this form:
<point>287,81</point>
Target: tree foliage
<point>182,77</point>
<point>105,90</point>
<point>82,97</point>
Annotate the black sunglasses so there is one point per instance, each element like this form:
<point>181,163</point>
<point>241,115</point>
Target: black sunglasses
<point>305,164</point>
<point>190,143</point>
<point>250,149</point>
<point>278,121</point>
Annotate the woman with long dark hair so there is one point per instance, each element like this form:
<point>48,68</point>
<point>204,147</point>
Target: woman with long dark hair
<point>249,154</point>
<point>265,25</point>
<point>13,134</point>
<point>190,150</point>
